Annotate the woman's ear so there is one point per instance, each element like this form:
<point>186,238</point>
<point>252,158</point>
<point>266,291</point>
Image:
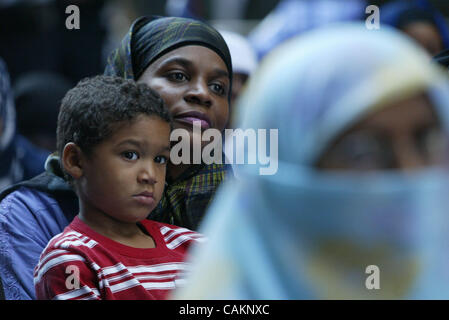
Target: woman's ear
<point>72,160</point>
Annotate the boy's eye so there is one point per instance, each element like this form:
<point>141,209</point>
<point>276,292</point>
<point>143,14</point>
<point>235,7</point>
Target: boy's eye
<point>130,155</point>
<point>177,76</point>
<point>161,159</point>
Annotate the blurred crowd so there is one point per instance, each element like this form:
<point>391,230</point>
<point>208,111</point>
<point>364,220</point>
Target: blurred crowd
<point>44,59</point>
<point>324,92</point>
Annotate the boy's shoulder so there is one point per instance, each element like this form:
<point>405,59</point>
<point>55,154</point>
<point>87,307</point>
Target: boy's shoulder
<point>173,236</point>
<point>71,238</point>
<point>69,245</point>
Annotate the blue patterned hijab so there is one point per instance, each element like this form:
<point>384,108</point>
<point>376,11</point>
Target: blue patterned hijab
<point>302,233</point>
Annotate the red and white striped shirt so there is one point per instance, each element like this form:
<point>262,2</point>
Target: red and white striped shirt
<point>82,264</point>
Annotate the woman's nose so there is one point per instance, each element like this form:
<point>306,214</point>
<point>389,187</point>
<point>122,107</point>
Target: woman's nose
<point>199,93</point>
<point>408,156</point>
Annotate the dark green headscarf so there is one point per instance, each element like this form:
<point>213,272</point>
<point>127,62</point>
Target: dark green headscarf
<point>185,200</point>
<point>151,37</point>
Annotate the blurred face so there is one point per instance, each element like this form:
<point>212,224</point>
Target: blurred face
<point>124,177</point>
<point>426,35</point>
<point>194,83</point>
<point>405,135</point>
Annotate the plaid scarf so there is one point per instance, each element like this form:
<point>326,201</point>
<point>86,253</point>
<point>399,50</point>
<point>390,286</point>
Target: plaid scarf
<point>185,200</point>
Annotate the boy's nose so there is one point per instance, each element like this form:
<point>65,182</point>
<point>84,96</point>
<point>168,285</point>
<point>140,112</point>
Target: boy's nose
<point>147,175</point>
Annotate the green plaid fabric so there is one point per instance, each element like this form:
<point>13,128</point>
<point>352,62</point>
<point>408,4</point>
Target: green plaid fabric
<point>186,199</point>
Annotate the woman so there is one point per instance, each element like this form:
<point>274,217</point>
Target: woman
<point>166,54</point>
<point>354,210</point>
<point>188,63</point>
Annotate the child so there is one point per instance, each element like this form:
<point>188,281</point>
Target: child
<point>113,135</point>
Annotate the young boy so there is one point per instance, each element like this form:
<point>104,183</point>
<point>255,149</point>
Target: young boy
<point>113,137</point>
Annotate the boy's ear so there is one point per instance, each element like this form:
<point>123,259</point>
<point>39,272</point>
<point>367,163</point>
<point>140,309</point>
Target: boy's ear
<point>72,160</point>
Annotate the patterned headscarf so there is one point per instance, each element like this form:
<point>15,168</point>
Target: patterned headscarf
<point>185,200</point>
<point>151,37</point>
<point>303,233</point>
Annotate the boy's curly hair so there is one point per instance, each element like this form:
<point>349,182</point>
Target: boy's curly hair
<point>92,110</point>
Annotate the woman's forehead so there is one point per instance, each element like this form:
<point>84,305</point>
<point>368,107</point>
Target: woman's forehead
<point>193,54</point>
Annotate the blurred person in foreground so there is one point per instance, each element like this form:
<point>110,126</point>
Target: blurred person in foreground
<point>420,21</point>
<point>362,178</point>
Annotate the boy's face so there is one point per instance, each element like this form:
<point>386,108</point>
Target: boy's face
<point>124,177</point>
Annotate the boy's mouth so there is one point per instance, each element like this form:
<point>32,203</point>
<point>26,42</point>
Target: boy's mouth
<point>189,118</point>
<point>145,198</point>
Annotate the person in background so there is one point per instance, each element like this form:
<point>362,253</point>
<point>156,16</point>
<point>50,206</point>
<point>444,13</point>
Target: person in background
<point>420,21</point>
<point>189,64</point>
<point>19,159</point>
<point>293,17</point>
<point>362,182</point>
<point>34,36</point>
<point>37,98</point>
<point>244,63</point>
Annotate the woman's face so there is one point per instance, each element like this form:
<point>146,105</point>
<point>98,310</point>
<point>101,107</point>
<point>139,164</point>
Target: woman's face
<point>404,135</point>
<point>194,83</point>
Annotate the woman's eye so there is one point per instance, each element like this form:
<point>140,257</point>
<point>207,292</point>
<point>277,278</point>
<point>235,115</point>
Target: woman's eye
<point>218,88</point>
<point>177,76</point>
<point>130,155</point>
<point>161,159</point>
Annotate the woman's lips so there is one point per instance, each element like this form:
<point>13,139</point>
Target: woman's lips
<point>190,121</point>
<point>188,118</point>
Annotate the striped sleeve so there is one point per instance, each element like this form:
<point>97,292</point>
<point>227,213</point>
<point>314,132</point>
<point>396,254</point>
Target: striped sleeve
<point>64,274</point>
<point>180,238</point>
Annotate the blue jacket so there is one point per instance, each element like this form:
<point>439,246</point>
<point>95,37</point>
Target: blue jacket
<point>30,215</point>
